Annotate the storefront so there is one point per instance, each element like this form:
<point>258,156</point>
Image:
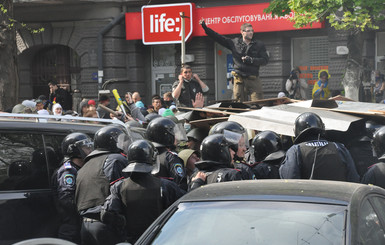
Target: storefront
<point>151,68</point>
<point>215,62</point>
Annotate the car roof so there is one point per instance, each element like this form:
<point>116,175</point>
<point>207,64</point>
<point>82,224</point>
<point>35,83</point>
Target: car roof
<point>319,191</point>
<point>37,123</point>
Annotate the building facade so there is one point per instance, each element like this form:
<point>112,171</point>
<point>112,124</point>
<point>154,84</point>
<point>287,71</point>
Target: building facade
<point>84,44</point>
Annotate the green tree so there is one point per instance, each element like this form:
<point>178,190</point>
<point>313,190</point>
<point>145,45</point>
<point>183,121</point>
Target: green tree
<point>353,16</point>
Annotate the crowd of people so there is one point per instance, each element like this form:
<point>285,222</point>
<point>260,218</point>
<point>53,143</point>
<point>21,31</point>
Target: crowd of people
<point>109,189</point>
<point>134,181</point>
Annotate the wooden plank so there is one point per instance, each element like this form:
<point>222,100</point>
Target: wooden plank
<point>207,110</point>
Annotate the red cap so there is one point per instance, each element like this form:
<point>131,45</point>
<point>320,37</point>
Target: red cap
<point>92,102</point>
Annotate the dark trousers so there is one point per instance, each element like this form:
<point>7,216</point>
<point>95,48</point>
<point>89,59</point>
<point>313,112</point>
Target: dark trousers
<point>94,232</point>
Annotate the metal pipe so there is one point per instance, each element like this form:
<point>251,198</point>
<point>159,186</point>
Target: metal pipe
<point>101,33</point>
<point>183,43</point>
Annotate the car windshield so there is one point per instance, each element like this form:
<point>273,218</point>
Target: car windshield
<point>254,222</point>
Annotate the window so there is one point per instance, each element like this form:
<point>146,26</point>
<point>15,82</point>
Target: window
<point>380,52</point>
<point>250,222</point>
<point>370,230</point>
<point>23,161</point>
<point>311,55</point>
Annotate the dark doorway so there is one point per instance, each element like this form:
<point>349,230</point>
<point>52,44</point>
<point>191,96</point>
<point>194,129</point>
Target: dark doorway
<point>53,63</point>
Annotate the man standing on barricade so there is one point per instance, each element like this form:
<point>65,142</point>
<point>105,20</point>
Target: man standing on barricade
<point>248,55</point>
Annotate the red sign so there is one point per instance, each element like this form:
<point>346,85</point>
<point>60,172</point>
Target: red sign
<point>224,20</point>
<point>163,24</point>
<point>228,19</point>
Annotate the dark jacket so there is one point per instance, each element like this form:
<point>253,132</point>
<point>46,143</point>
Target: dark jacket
<point>188,92</point>
<point>63,97</point>
<point>256,50</point>
<point>172,167</point>
<point>64,185</point>
<point>215,172</point>
<point>375,175</point>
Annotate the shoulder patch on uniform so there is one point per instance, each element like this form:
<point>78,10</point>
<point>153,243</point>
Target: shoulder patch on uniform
<point>69,180</point>
<point>67,165</point>
<point>179,169</point>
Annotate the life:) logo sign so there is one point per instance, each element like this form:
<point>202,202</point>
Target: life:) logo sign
<point>163,24</point>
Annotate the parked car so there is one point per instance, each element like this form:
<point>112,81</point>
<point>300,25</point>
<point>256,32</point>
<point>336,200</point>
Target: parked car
<point>269,212</point>
<point>30,151</point>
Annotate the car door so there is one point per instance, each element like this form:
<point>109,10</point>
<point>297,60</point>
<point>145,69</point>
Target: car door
<point>27,161</point>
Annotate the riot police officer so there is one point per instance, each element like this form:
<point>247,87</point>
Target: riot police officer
<point>163,133</point>
<point>268,154</point>
<point>376,173</point>
<point>216,164</point>
<point>102,168</point>
<point>75,147</point>
<point>144,196</point>
<point>238,132</point>
<point>313,157</point>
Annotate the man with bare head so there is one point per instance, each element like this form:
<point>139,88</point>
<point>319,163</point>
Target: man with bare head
<point>137,100</point>
<point>136,97</point>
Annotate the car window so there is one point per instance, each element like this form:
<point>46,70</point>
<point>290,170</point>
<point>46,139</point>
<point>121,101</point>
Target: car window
<point>252,222</point>
<point>23,160</point>
<point>379,206</point>
<point>370,230</point>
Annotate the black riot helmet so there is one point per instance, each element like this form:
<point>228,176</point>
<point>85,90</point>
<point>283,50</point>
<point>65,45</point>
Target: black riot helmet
<point>141,156</point>
<point>198,134</point>
<point>308,122</point>
<point>110,138</point>
<point>378,142</point>
<point>215,148</point>
<point>371,127</point>
<point>77,145</point>
<point>161,132</point>
<point>265,143</point>
<point>151,116</point>
<point>229,126</point>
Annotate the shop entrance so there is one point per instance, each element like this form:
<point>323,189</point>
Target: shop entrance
<point>163,68</point>
<point>223,68</point>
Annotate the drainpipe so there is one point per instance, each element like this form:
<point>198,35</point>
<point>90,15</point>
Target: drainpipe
<point>101,33</point>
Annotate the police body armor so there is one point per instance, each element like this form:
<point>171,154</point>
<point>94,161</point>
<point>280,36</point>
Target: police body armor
<point>92,191</point>
<point>141,194</point>
<point>328,164</point>
<point>163,168</point>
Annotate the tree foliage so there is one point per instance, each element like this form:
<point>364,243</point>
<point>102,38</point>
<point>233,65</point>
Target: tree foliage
<point>342,14</point>
<point>11,23</point>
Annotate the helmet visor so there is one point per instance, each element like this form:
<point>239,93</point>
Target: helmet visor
<point>180,132</point>
<point>85,147</point>
<point>122,142</point>
<point>156,158</point>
